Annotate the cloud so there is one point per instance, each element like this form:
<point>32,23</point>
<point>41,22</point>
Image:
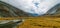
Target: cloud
<point>29,6</point>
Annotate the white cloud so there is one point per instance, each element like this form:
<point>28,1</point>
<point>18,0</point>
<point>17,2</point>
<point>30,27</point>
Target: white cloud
<point>27,5</point>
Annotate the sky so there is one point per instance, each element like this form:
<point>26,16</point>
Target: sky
<point>38,7</point>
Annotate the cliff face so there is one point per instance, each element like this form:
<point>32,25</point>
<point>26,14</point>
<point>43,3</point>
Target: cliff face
<point>55,11</point>
<point>9,11</point>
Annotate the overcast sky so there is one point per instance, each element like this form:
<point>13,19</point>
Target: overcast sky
<point>39,7</point>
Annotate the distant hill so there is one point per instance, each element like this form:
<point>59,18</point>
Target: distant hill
<point>7,10</point>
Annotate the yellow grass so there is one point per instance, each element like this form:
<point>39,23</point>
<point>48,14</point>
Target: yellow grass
<point>37,22</point>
